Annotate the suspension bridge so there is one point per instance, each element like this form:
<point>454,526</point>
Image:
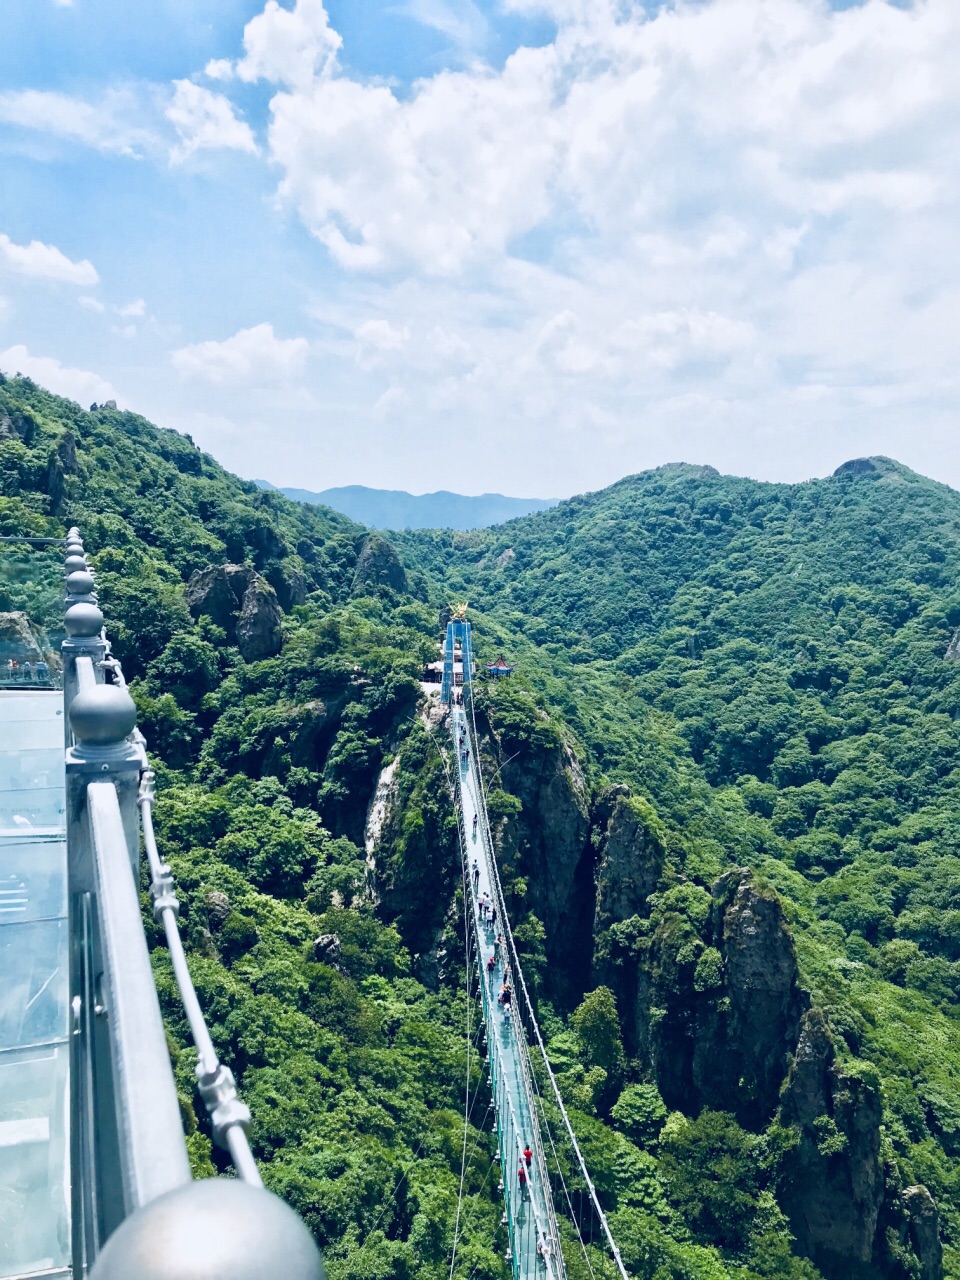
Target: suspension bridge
<point>94,1174</point>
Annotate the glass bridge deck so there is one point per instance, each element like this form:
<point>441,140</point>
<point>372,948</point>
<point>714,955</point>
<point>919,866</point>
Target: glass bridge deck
<point>34,1102</point>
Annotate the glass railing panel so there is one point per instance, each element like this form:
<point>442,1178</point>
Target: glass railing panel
<point>32,881</point>
<point>34,1117</point>
<point>33,996</point>
<point>34,1176</point>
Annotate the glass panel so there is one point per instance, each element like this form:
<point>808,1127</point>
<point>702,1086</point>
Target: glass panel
<point>33,996</point>
<point>32,881</point>
<point>22,706</point>
<point>34,1178</point>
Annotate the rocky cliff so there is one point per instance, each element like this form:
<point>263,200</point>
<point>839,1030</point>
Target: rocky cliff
<point>242,602</point>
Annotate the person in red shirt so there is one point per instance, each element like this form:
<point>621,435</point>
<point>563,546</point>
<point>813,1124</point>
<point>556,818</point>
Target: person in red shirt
<point>527,1154</point>
<point>522,1179</point>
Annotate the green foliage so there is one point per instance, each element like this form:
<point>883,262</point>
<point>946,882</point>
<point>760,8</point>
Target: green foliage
<point>640,1113</point>
<point>597,1028</point>
<point>711,1173</point>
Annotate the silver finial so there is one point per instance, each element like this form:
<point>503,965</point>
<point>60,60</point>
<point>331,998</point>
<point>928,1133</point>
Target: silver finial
<point>101,715</point>
<point>216,1229</point>
<point>83,620</point>
<point>80,582</point>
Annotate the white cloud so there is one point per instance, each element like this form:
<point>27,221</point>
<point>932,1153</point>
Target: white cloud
<point>219,69</point>
<point>111,125</point>
<point>42,261</point>
<point>91,304</point>
<point>253,355</point>
<point>135,308</point>
<point>288,46</point>
<point>381,335</point>
<point>205,121</point>
<point>77,384</point>
<point>6,309</point>
<point>459,20</point>
<point>626,124</point>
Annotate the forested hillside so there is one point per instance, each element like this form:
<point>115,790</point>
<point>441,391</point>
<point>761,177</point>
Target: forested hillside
<point>724,785</point>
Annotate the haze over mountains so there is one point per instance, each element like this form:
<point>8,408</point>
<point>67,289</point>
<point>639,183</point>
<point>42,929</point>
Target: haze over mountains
<point>397,509</point>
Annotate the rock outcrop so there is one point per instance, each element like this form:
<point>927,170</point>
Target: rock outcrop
<point>631,856</point>
<point>236,598</point>
<point>953,648</point>
<point>258,626</point>
<point>724,1004</point>
<point>21,641</point>
<point>924,1231</point>
<point>546,845</point>
<point>378,566</point>
<point>834,1186</point>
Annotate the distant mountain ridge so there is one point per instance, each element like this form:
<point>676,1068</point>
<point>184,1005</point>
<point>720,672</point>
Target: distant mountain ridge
<point>397,509</point>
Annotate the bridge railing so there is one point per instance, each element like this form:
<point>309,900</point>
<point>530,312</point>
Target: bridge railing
<point>135,1208</point>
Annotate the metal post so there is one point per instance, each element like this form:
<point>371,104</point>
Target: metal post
<point>446,689</point>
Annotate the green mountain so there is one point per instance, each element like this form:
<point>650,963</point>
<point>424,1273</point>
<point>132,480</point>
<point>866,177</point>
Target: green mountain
<point>397,509</point>
<point>724,785</point>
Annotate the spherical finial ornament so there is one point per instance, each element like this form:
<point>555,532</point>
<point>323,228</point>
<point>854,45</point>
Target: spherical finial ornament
<point>80,583</point>
<point>73,544</point>
<point>216,1229</point>
<point>103,714</point>
<point>75,563</point>
<point>83,620</point>
<point>73,532</point>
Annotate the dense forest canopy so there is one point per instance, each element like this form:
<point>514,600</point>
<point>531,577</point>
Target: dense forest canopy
<point>724,784</point>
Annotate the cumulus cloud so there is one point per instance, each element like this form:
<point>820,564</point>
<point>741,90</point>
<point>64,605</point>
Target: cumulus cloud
<point>42,261</point>
<point>254,355</point>
<point>763,114</point>
<point>205,121</point>
<point>288,46</point>
<point>137,307</point>
<point>114,124</point>
<point>77,384</point>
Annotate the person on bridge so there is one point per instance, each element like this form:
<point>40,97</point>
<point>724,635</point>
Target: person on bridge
<point>27,670</point>
<point>505,997</point>
<point>43,671</point>
<point>527,1154</point>
<point>498,946</point>
<point>476,876</point>
<point>522,1179</point>
<point>491,966</point>
<point>493,916</point>
<point>474,826</point>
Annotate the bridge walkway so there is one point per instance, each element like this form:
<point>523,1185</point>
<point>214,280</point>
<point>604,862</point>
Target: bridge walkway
<point>530,1216</point>
<point>34,962</point>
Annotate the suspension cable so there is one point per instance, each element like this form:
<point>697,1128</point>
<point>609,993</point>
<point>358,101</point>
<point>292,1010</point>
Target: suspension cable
<point>618,1260</point>
<point>229,1117</point>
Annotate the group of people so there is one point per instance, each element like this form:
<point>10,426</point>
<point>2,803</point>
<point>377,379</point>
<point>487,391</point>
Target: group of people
<point>28,672</point>
<point>488,912</point>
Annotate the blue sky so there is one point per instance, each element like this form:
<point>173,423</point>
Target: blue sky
<point>526,245</point>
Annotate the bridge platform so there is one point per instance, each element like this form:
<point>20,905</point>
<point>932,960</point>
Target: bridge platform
<point>529,1210</point>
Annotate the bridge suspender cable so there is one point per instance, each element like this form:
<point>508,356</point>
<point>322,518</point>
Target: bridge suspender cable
<point>602,1217</point>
